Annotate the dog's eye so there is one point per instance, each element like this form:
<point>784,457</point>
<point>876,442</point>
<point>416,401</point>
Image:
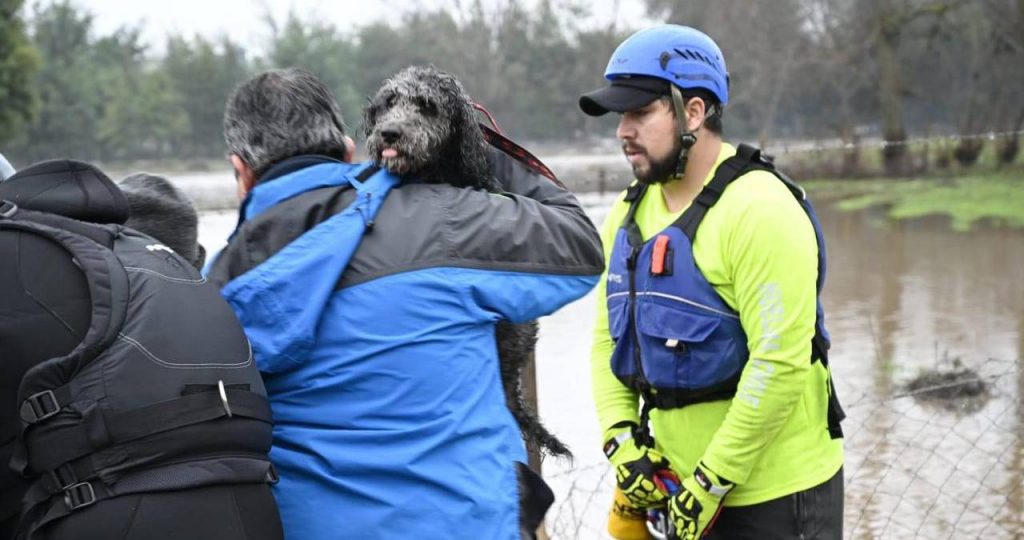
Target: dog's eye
<point>426,106</point>
<point>390,101</point>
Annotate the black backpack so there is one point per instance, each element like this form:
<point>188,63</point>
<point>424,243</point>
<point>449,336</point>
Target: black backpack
<point>162,393</point>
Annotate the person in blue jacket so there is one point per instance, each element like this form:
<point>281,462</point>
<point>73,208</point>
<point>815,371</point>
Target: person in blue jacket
<point>371,303</point>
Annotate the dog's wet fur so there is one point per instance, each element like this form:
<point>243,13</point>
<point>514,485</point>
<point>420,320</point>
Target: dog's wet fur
<point>424,120</point>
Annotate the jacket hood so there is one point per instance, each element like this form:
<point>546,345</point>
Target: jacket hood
<point>280,301</point>
<point>69,188</point>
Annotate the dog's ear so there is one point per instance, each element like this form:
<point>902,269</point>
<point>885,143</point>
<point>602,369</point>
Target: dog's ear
<point>469,145</point>
<point>370,115</point>
<point>473,148</point>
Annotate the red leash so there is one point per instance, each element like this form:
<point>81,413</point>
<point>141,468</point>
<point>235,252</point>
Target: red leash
<point>494,137</point>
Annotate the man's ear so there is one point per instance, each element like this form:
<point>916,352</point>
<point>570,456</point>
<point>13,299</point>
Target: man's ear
<point>244,176</point>
<point>695,112</point>
<point>350,149</point>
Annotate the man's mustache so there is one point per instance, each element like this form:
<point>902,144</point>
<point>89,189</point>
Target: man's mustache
<point>633,148</point>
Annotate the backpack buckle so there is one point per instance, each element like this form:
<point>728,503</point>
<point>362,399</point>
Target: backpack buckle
<point>224,398</point>
<point>63,477</point>
<point>39,407</point>
<point>7,209</point>
<point>79,496</point>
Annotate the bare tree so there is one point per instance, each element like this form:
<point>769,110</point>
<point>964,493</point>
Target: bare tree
<point>764,46</point>
<point>835,79</point>
<point>1007,36</point>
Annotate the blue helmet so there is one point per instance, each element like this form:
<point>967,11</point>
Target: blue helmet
<point>681,55</point>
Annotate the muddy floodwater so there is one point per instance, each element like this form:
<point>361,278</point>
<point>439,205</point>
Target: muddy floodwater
<point>928,330</point>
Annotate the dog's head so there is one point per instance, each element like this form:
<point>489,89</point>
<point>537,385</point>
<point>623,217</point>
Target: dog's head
<point>421,122</point>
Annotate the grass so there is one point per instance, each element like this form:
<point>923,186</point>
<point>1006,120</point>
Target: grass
<point>993,197</point>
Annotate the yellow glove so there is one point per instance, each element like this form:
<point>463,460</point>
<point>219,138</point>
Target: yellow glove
<point>625,521</point>
<point>638,469</point>
<point>694,508</point>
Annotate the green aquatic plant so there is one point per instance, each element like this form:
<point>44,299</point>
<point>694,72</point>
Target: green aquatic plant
<point>994,198</point>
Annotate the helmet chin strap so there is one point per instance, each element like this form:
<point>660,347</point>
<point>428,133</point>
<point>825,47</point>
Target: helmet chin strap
<point>687,138</point>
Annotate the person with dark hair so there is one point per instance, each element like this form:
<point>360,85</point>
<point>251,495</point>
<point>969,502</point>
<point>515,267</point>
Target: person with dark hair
<point>163,211</point>
<point>130,405</point>
<point>371,294</point>
<point>710,358</point>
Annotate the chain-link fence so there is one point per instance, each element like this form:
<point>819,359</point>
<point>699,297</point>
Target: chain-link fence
<point>942,456</point>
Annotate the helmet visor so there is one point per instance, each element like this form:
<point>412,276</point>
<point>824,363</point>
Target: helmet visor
<point>623,94</point>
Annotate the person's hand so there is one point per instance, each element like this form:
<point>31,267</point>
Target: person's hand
<point>694,508</point>
<point>641,472</point>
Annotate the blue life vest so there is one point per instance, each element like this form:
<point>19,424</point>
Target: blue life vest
<point>676,340</point>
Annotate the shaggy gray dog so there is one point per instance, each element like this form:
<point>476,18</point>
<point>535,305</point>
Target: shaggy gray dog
<point>421,122</point>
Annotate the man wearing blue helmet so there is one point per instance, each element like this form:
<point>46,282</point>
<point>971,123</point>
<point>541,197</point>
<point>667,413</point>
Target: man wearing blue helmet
<point>710,358</point>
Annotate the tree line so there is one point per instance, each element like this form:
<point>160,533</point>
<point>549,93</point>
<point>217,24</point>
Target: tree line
<point>800,69</point>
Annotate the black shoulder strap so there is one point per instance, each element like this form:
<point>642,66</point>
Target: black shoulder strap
<point>729,170</point>
<point>634,194</point>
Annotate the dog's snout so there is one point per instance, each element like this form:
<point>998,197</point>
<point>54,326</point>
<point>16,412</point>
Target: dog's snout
<point>390,134</point>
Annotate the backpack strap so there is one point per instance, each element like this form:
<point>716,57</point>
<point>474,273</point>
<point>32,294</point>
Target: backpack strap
<point>50,451</point>
<point>10,499</point>
<point>176,476</point>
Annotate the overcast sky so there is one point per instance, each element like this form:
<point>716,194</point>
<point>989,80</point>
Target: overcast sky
<point>243,19</point>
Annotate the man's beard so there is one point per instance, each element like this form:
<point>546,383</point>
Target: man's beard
<point>660,171</point>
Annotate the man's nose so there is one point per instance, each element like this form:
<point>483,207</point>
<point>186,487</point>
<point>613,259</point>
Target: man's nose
<point>626,129</point>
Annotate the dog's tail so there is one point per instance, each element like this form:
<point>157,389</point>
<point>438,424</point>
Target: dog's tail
<point>535,434</point>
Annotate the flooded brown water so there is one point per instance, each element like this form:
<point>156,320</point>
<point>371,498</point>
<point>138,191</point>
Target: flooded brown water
<point>902,300</point>
<point>906,299</point>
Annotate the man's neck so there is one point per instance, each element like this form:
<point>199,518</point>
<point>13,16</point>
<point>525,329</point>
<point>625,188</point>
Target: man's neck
<point>678,194</point>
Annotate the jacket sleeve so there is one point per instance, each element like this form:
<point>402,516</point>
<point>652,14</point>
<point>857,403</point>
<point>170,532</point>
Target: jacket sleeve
<point>539,248</point>
<point>772,258</point>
